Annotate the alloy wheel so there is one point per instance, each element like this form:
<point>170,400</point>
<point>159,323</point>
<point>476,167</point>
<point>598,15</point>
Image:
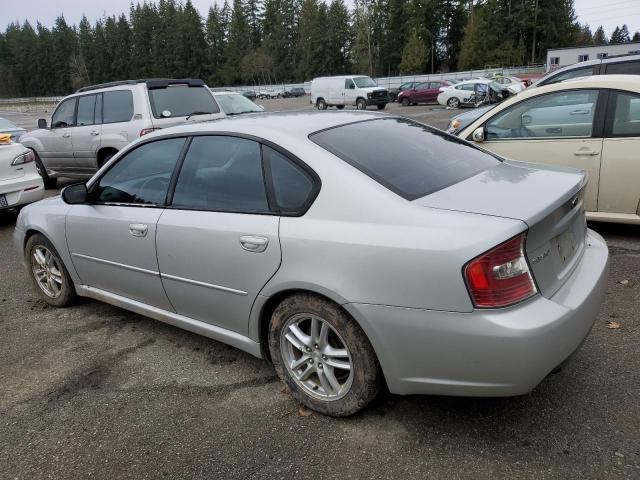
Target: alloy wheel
<point>316,356</point>
<point>46,271</point>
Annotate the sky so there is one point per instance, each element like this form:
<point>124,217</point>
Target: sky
<point>608,13</point>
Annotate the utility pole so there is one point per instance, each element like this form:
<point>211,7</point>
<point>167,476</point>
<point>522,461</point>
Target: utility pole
<point>535,27</point>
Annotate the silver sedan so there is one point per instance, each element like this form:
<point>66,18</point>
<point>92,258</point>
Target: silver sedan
<point>353,249</point>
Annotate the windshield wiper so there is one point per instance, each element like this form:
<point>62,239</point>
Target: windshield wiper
<point>244,111</point>
<point>197,113</point>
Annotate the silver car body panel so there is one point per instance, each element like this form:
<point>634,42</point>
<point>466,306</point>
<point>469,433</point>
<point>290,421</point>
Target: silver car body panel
<point>394,265</point>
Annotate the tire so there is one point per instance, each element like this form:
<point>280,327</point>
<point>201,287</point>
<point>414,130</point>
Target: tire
<point>321,104</point>
<point>405,101</point>
<point>382,106</point>
<point>361,104</point>
<point>105,159</point>
<point>453,102</point>
<point>340,107</point>
<point>57,289</point>
<point>48,181</point>
<point>355,387</point>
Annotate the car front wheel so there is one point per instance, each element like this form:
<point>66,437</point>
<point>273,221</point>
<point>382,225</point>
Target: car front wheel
<point>48,273</point>
<point>323,356</point>
<point>361,104</point>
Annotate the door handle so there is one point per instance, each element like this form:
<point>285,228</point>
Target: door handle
<point>138,229</point>
<point>586,153</point>
<point>95,132</point>
<point>580,112</point>
<point>66,135</point>
<point>254,244</point>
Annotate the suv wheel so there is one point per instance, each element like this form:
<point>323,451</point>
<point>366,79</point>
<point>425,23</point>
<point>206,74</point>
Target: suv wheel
<point>361,104</point>
<point>48,181</point>
<point>48,273</point>
<point>323,356</point>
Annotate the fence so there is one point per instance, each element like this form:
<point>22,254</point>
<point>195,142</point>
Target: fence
<point>33,104</point>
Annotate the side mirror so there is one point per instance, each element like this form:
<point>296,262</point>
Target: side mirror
<point>75,194</point>
<point>478,135</point>
<point>42,123</point>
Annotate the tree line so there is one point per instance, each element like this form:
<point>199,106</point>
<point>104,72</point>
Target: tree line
<point>284,41</point>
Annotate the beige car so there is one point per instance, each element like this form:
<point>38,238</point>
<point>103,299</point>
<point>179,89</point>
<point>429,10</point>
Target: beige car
<point>591,123</point>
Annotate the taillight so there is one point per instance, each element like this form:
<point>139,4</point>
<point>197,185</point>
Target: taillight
<point>144,131</point>
<point>24,158</point>
<point>501,276</point>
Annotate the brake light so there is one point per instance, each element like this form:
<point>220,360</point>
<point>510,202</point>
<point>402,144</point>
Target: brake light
<point>144,131</point>
<point>501,276</point>
<point>24,158</point>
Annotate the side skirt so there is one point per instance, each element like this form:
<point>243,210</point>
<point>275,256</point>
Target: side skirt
<point>201,328</point>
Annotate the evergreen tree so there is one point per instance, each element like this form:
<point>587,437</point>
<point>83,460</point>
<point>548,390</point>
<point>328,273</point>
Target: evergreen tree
<point>620,35</point>
<point>238,44</point>
<point>338,38</point>
<point>216,41</point>
<point>414,55</point>
<point>584,37</point>
<point>599,37</point>
<point>636,37</point>
<point>363,47</point>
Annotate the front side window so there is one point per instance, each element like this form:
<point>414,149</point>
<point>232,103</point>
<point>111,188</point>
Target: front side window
<point>181,101</point>
<point>86,110</point>
<point>117,106</point>
<point>142,176</point>
<point>222,173</point>
<point>410,159</point>
<point>292,186</point>
<point>577,73</point>
<point>626,120</point>
<point>348,84</point>
<point>556,115</point>
<point>63,116</point>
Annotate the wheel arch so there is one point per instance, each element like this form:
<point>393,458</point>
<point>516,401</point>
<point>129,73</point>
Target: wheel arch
<point>102,153</point>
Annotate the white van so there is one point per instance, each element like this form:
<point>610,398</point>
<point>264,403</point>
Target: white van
<point>356,90</point>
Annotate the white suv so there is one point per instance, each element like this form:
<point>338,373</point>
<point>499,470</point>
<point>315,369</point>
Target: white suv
<point>90,126</point>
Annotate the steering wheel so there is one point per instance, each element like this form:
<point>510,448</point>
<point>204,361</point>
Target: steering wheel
<point>153,184</point>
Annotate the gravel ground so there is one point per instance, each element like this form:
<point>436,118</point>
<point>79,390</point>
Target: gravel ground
<point>93,391</point>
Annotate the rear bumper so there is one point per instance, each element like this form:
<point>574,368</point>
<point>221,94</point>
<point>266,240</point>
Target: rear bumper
<point>487,352</point>
<point>23,190</point>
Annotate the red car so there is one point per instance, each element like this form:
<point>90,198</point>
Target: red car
<point>426,92</point>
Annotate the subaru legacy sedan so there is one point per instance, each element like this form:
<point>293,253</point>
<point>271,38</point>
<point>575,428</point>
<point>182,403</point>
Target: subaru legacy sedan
<point>352,249</point>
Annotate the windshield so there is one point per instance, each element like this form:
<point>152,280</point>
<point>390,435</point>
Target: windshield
<point>235,104</point>
<point>410,159</point>
<point>6,124</point>
<point>364,82</point>
<point>181,100</point>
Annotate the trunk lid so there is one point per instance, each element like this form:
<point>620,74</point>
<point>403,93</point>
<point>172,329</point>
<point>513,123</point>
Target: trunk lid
<point>549,200</point>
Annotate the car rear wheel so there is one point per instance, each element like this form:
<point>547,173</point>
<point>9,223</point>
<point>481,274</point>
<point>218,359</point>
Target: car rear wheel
<point>382,106</point>
<point>321,104</point>
<point>323,356</point>
<point>453,102</point>
<point>48,181</point>
<point>361,104</point>
<point>405,102</point>
<point>48,273</point>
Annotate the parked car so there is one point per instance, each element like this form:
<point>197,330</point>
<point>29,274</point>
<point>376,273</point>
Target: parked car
<point>461,94</point>
<point>394,92</point>
<point>250,94</point>
<point>513,84</point>
<point>614,65</point>
<point>294,92</point>
<point>426,92</point>
<point>340,91</point>
<point>7,127</point>
<point>233,103</point>
<point>471,276</point>
<point>90,126</point>
<point>268,93</point>
<point>20,182</point>
<point>591,123</point>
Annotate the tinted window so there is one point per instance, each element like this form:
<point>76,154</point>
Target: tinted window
<point>223,174</point>
<point>141,176</point>
<point>624,68</point>
<point>86,110</point>
<point>562,114</point>
<point>292,185</point>
<point>348,83</point>
<point>117,106</point>
<point>577,73</point>
<point>181,100</point>
<point>626,121</point>
<point>408,158</point>
<point>63,116</point>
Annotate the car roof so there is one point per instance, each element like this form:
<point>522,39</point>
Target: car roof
<point>275,124</point>
<point>216,93</point>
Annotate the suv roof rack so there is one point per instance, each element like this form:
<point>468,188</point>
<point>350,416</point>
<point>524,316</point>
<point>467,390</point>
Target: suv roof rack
<point>151,83</point>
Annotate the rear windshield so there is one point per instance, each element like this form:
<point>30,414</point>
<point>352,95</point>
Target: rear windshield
<point>408,158</point>
<point>181,100</point>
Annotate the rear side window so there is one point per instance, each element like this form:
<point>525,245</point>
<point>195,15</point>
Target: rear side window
<point>142,176</point>
<point>222,174</point>
<point>623,68</point>
<point>626,120</point>
<point>408,158</point>
<point>292,186</point>
<point>181,100</point>
<point>86,110</point>
<point>117,106</point>
<point>577,73</point>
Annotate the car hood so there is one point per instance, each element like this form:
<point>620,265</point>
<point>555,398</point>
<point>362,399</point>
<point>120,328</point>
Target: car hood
<point>467,118</point>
